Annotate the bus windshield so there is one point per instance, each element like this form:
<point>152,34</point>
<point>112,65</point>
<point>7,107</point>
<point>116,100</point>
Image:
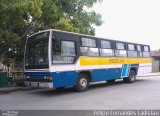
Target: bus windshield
<point>37,51</point>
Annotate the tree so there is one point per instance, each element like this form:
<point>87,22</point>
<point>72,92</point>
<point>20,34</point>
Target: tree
<point>19,18</point>
<point>15,21</point>
<point>70,15</point>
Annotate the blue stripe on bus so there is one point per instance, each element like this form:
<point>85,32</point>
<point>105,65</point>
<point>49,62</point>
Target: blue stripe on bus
<point>61,79</point>
<point>37,75</point>
<point>106,74</point>
<point>64,79</point>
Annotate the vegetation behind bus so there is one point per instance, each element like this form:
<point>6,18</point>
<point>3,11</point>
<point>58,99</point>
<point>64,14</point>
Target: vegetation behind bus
<point>19,18</point>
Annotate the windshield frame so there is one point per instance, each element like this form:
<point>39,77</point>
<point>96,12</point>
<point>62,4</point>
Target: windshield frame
<point>37,66</point>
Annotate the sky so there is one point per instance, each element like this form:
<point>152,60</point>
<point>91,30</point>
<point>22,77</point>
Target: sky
<point>130,20</point>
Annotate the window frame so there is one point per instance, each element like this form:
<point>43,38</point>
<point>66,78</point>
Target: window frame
<point>140,47</point>
<point>121,50</point>
<point>132,50</point>
<point>124,49</point>
<point>96,43</point>
<point>146,51</point>
<point>139,51</point>
<point>113,52</point>
<point>121,43</point>
<point>31,39</point>
<point>144,48</point>
<point>133,47</point>
<point>106,47</point>
<point>87,52</point>
<point>102,48</point>
<point>60,43</point>
<point>68,41</point>
<point>88,38</point>
<point>132,56</point>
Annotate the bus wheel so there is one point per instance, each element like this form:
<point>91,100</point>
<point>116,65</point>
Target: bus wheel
<point>82,83</point>
<point>111,81</point>
<point>131,78</point>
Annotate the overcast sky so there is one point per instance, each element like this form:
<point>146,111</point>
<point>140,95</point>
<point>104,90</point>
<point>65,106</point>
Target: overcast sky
<point>130,20</point>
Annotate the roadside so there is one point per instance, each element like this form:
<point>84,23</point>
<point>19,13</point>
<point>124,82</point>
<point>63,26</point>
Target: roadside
<point>9,89</point>
<point>11,82</point>
<point>152,74</point>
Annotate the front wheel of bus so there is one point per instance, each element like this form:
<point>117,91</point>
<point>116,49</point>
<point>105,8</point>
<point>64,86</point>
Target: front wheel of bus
<point>82,83</point>
<point>131,78</point>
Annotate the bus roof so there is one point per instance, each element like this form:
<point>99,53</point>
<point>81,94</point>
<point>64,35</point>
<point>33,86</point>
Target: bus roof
<point>84,35</point>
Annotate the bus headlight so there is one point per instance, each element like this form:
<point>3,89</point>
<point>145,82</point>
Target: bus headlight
<point>27,77</point>
<point>45,77</point>
<point>48,77</point>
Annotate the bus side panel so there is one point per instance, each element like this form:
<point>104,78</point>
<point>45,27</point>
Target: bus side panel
<point>147,69</point>
<point>63,79</point>
<point>106,74</point>
<point>140,71</point>
<point>144,69</point>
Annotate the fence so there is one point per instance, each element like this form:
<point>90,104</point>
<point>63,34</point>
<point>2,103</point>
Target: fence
<point>17,77</point>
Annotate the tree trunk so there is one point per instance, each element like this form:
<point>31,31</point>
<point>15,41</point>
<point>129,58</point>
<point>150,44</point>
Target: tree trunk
<point>1,60</point>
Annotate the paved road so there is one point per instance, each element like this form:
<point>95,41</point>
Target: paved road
<point>143,94</point>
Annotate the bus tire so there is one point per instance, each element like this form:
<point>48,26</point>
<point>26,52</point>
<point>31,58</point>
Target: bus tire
<point>131,78</point>
<point>111,81</point>
<point>82,83</point>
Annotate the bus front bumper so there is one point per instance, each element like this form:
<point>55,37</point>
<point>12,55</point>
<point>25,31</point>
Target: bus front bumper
<point>39,84</point>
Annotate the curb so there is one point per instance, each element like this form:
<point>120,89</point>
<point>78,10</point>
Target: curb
<point>152,74</point>
<point>9,89</point>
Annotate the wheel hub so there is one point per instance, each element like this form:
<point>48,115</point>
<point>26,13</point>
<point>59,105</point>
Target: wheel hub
<point>83,82</point>
<point>132,77</point>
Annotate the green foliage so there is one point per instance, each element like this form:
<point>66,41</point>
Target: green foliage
<point>19,18</point>
<point>70,15</point>
<point>15,16</point>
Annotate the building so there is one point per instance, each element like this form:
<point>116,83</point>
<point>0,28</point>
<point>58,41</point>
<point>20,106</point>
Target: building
<point>155,61</point>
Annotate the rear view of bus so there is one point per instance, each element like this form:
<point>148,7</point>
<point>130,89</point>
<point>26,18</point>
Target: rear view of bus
<point>58,59</point>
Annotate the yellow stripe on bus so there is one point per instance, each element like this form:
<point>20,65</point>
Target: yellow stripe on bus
<point>87,61</point>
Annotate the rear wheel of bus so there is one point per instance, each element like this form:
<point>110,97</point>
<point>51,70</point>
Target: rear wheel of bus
<point>131,78</point>
<point>82,82</point>
<point>111,81</point>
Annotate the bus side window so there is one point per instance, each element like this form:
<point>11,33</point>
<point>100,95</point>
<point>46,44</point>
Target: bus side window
<point>146,52</point>
<point>67,53</point>
<point>131,51</point>
<point>68,48</point>
<point>106,48</point>
<point>89,47</point>
<point>120,50</point>
<point>139,49</point>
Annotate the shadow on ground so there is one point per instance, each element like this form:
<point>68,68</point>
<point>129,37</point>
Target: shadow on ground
<point>93,87</point>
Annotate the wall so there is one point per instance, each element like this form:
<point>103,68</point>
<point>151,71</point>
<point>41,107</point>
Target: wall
<point>155,64</point>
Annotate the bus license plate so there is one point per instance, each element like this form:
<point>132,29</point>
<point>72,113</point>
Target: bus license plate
<point>34,84</point>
